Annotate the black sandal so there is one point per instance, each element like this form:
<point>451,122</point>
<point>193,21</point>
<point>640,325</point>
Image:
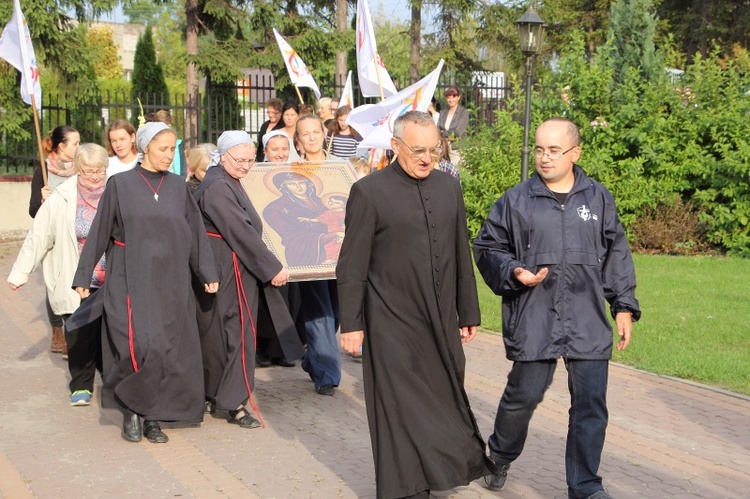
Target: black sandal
<point>243,418</point>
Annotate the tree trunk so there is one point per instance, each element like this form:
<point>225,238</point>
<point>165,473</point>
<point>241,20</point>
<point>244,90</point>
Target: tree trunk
<point>341,26</point>
<point>192,134</point>
<point>415,33</point>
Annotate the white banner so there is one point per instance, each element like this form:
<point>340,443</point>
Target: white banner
<point>16,48</point>
<point>370,67</point>
<point>298,72</point>
<point>375,122</point>
<point>347,95</point>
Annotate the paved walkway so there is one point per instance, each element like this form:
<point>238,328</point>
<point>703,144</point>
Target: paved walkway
<point>666,438</point>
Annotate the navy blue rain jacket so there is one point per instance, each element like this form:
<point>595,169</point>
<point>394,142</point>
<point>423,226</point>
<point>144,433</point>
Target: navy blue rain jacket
<point>583,245</point>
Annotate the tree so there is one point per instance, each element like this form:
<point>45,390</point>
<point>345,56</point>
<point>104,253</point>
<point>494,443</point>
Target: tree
<point>148,78</point>
<point>143,11</point>
<point>106,63</point>
<point>697,24</point>
<point>631,40</point>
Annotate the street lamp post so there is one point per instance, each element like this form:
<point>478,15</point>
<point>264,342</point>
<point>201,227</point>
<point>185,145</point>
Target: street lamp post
<point>531,32</point>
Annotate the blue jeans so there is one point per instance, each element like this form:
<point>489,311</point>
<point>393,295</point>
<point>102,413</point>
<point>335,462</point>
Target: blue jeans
<point>587,423</point>
<point>322,361</point>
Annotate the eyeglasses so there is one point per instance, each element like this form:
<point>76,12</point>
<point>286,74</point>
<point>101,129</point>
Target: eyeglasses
<point>553,155</point>
<point>248,162</point>
<point>273,113</point>
<point>91,173</point>
<point>418,152</point>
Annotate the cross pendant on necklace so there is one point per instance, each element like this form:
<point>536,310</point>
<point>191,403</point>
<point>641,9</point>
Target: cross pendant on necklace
<point>156,196</point>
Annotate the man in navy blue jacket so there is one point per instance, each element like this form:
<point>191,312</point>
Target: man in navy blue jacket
<point>554,248</point>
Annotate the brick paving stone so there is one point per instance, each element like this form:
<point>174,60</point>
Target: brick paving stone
<point>666,438</point>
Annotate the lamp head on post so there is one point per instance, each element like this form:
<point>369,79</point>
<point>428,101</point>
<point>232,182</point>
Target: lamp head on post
<point>531,32</point>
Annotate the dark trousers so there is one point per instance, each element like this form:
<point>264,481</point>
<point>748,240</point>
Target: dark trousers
<point>54,319</point>
<point>84,354</point>
<point>587,424</point>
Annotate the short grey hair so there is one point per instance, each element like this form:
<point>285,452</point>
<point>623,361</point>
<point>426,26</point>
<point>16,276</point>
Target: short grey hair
<point>324,101</point>
<point>91,155</point>
<point>415,117</point>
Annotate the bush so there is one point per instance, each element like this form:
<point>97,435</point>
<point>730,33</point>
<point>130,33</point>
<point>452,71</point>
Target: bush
<point>673,228</point>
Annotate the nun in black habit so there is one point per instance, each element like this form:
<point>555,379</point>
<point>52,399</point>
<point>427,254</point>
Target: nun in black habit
<point>247,268</point>
<point>406,287</point>
<point>153,235</point>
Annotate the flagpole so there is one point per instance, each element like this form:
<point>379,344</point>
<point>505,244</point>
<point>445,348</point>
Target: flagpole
<point>299,94</point>
<point>377,72</point>
<point>39,140</point>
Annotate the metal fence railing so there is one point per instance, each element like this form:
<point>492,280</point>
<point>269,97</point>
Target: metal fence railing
<point>220,108</point>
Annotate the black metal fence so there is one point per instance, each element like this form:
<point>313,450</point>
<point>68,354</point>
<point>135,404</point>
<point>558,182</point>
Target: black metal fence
<point>220,108</point>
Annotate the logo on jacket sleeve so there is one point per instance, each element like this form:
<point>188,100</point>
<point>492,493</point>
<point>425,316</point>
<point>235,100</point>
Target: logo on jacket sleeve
<point>586,214</point>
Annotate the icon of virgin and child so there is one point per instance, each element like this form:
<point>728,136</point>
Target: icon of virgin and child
<point>311,228</point>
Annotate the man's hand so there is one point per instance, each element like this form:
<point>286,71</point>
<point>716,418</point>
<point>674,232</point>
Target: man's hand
<point>211,287</point>
<point>14,287</point>
<point>468,333</point>
<point>624,322</point>
<point>352,341</point>
<point>83,292</point>
<point>281,278</point>
<point>526,278</point>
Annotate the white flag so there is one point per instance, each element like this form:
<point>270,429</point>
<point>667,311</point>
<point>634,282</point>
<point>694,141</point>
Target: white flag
<point>369,64</point>
<point>16,48</point>
<point>375,122</point>
<point>347,96</point>
<point>298,72</point>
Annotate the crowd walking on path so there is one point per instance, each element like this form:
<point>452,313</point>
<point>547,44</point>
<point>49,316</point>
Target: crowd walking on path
<point>166,284</point>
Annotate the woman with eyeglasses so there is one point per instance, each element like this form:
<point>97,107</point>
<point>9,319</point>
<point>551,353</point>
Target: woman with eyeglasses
<point>251,276</point>
<point>55,240</point>
<point>274,122</point>
<point>153,235</point>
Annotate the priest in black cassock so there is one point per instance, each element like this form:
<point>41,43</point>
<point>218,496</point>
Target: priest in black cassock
<point>407,290</point>
<point>152,233</point>
<point>228,319</point>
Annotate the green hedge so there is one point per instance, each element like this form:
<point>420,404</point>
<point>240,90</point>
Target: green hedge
<point>649,142</point>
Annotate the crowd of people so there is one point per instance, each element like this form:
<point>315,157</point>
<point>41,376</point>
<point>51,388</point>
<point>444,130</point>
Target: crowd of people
<point>158,277</point>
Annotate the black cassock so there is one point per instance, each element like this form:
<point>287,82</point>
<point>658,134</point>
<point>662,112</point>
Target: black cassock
<point>150,343</point>
<point>225,323</point>
<point>405,277</point>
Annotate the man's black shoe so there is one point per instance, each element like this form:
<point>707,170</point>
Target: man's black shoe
<point>496,481</point>
<point>262,361</point>
<point>283,362</point>
<point>152,431</point>
<point>325,390</point>
<point>131,427</point>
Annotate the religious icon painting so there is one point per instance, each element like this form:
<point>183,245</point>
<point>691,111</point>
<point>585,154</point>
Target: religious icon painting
<point>303,208</point>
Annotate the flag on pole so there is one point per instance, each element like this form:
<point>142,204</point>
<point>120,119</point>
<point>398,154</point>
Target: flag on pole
<point>298,72</point>
<point>375,122</point>
<point>16,48</point>
<point>369,63</point>
<point>347,96</point>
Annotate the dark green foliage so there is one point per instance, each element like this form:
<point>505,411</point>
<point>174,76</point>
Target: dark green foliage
<point>149,84</point>
<point>646,140</point>
<point>631,40</point>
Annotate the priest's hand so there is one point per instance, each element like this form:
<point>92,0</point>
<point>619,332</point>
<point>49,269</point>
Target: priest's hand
<point>14,287</point>
<point>83,292</point>
<point>281,278</point>
<point>526,278</point>
<point>211,287</point>
<point>352,341</point>
<point>468,333</point>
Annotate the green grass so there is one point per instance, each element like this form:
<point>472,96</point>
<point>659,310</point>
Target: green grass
<point>695,324</point>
